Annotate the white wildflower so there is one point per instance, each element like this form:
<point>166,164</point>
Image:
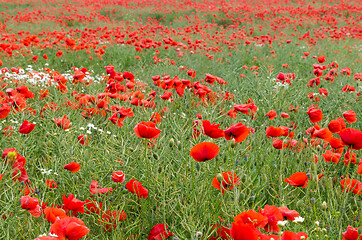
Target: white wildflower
<point>298,220</point>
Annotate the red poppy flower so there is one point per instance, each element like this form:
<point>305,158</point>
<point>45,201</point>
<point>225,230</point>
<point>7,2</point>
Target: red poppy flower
<point>119,116</point>
<point>204,151</point>
<point>212,130</point>
<point>59,53</point>
<point>110,219</point>
<point>274,131</point>
<point>353,186</point>
<point>288,214</point>
<point>351,234</point>
<point>94,189</point>
<point>271,114</point>
<point>285,115</point>
<point>252,217</point>
<point>337,125</point>
<point>5,109</point>
<point>191,73</point>
<point>78,76</point>
<point>221,232</point>
<point>28,202</point>
<point>336,143</point>
<point>246,108</point>
<point>359,169</point>
<point>136,187</point>
<point>73,167</point>
<point>330,156</point>
<point>350,157</point>
<point>241,231</point>
<point>51,184</point>
<point>156,118</point>
<point>274,215</point>
<point>315,115</point>
<point>83,140</point>
<point>118,176</point>
<point>298,179</point>
<point>351,137</point>
<point>147,130</point>
<point>159,232</point>
<point>26,127</point>
<point>11,156</point>
<point>73,204</point>
<point>8,131</point>
<point>225,181</point>
<point>288,235</point>
<point>321,59</point>
<point>350,116</point>
<point>63,122</point>
<point>52,213</point>
<point>167,95</point>
<point>93,206</point>
<point>239,132</point>
<point>279,144</point>
<point>323,133</point>
<point>323,92</point>
<point>348,88</point>
<point>232,113</point>
<point>31,204</point>
<point>71,228</point>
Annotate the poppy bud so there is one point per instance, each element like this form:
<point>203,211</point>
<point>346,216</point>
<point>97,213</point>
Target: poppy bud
<point>198,234</point>
<point>171,142</point>
<point>233,143</point>
<point>242,195</point>
<point>219,177</point>
<point>324,205</point>
<point>300,204</point>
<point>319,147</point>
<point>155,156</point>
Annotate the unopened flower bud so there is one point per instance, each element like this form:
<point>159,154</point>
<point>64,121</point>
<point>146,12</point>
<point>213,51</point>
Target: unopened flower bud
<point>233,143</point>
<point>220,177</point>
<point>198,234</point>
<point>324,205</point>
<point>171,143</point>
<point>300,203</point>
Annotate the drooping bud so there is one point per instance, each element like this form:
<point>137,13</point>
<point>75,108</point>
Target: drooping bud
<point>220,178</point>
<point>171,143</point>
<point>233,143</point>
<point>324,205</point>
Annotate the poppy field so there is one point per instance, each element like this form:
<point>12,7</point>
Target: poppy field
<point>190,119</point>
